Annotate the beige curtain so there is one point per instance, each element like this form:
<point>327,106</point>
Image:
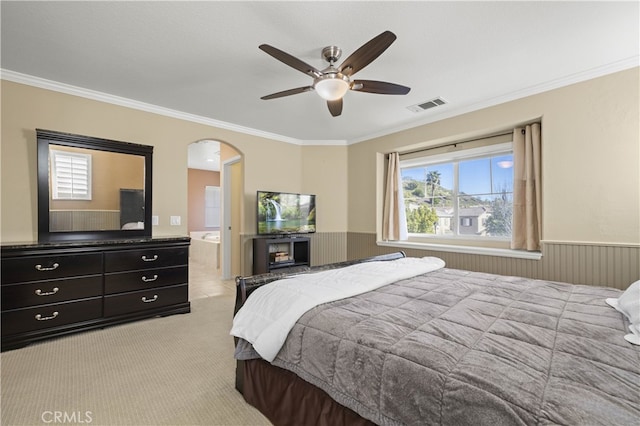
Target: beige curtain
<point>527,203</point>
<point>394,221</point>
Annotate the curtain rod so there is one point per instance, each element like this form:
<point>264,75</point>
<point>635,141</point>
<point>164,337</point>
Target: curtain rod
<point>455,143</point>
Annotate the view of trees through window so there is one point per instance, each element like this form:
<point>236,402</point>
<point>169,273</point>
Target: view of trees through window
<point>467,197</point>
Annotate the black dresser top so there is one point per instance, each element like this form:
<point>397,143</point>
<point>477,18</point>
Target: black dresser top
<point>13,248</point>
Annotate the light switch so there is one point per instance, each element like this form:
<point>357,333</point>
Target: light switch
<point>175,220</point>
<point>155,220</point>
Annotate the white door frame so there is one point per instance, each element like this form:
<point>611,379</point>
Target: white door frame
<point>225,239</point>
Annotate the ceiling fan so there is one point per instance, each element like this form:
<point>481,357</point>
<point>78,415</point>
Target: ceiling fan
<point>332,83</point>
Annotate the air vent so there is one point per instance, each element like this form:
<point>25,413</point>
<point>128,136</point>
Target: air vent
<point>427,105</point>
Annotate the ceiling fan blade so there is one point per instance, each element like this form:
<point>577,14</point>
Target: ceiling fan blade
<point>290,60</point>
<point>335,107</point>
<point>367,53</point>
<point>288,92</point>
<point>379,87</point>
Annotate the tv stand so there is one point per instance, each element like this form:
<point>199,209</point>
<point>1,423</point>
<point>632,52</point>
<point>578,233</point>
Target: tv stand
<point>280,253</point>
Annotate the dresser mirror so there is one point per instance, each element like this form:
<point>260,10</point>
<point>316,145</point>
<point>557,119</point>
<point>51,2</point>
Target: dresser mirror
<point>91,188</point>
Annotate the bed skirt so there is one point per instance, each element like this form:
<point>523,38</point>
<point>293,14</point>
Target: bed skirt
<point>285,399</point>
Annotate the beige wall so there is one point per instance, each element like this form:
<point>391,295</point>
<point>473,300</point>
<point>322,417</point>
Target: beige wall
<point>591,166</point>
<point>324,173</point>
<point>591,158</point>
<point>267,164</point>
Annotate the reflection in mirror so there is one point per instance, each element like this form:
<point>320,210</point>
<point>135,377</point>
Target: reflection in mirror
<point>93,190</point>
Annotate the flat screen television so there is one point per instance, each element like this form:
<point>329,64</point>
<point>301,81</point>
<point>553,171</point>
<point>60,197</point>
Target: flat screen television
<point>286,213</point>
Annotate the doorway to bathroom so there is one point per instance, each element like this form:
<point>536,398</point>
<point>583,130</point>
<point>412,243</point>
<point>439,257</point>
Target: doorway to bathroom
<point>211,208</point>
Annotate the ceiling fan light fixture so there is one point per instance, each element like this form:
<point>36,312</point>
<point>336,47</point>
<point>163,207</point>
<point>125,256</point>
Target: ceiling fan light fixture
<point>332,83</point>
<point>331,87</point>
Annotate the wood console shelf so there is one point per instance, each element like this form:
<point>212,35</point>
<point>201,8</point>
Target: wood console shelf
<point>270,254</point>
<point>54,289</point>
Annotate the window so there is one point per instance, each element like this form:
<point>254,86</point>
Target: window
<point>211,206</point>
<point>70,175</point>
<point>466,193</point>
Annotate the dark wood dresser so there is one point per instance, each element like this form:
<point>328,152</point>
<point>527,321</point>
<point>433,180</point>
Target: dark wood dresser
<point>53,289</point>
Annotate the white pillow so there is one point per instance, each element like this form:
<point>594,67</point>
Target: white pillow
<point>634,337</point>
<point>629,305</point>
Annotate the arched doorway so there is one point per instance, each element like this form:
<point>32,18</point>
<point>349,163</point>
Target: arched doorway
<point>214,194</point>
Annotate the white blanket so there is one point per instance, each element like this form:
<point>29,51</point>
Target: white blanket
<point>272,310</point>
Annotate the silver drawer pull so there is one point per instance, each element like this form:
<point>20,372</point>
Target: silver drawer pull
<point>145,300</point>
<point>41,318</point>
<point>43,268</point>
<point>47,293</point>
<point>150,259</point>
<point>148,280</point>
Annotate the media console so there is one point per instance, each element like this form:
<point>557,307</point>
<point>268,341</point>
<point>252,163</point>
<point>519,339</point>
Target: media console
<point>280,253</point>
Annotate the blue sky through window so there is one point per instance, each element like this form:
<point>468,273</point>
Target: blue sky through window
<point>478,176</point>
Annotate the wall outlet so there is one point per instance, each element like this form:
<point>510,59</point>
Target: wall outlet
<point>175,220</point>
<point>155,220</point>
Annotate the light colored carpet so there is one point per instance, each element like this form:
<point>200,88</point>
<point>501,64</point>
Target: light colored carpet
<point>176,370</point>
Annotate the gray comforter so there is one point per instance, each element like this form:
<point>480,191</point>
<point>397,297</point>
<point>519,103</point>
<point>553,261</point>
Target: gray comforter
<point>455,347</point>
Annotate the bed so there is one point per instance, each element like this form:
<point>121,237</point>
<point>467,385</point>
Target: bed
<point>443,347</point>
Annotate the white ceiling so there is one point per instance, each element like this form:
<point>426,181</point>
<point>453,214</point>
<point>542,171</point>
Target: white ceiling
<point>201,59</point>
<point>204,155</point>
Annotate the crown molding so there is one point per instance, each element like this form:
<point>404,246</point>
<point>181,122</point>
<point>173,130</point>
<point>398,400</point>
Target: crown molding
<point>611,68</point>
<point>42,83</point>
<point>68,89</point>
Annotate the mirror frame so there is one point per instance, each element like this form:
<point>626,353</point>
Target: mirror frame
<point>45,139</point>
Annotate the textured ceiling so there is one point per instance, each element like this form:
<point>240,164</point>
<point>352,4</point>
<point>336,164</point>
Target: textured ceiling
<point>202,58</point>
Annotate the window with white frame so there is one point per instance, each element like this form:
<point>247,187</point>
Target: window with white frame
<point>211,206</point>
<point>463,194</point>
<point>70,175</point>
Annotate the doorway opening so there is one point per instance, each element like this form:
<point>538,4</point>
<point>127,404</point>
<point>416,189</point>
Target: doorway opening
<point>213,187</point>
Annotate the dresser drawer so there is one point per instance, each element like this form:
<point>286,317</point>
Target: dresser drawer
<point>37,268</point>
<point>120,282</point>
<point>137,301</point>
<point>53,291</point>
<point>128,260</point>
<point>52,315</point>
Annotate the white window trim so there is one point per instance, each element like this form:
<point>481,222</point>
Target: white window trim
<point>471,153</point>
<point>465,154</point>
<point>486,251</point>
<point>211,206</point>
<point>455,158</point>
<point>55,154</point>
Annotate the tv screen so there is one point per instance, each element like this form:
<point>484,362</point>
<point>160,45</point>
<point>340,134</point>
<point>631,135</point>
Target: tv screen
<point>286,213</point>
